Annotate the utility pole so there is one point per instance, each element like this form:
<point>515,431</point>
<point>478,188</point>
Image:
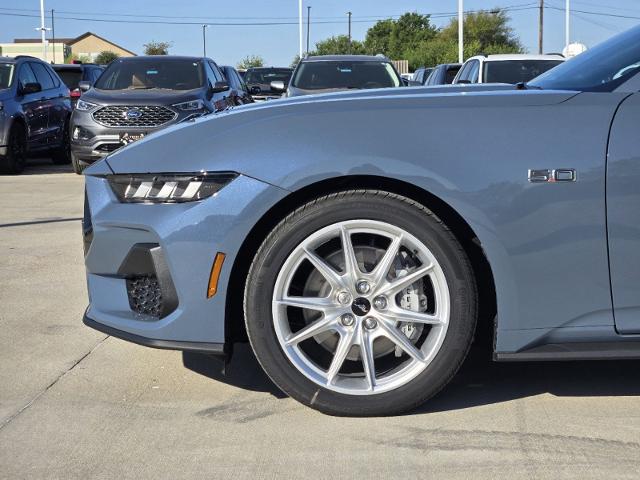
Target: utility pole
<point>308,26</point>
<point>349,13</point>
<point>204,39</point>
<point>300,27</point>
<point>567,23</point>
<point>53,35</point>
<point>541,29</point>
<point>460,31</point>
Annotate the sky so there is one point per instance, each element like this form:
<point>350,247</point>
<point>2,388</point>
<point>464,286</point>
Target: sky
<point>592,21</point>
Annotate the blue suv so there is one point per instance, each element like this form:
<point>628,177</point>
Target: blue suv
<point>35,108</point>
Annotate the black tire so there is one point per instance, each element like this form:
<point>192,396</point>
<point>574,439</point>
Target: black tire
<point>62,154</point>
<point>16,158</point>
<point>78,167</point>
<point>350,205</point>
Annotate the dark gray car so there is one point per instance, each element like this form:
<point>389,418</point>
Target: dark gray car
<point>34,112</point>
<point>138,95</point>
<point>333,73</point>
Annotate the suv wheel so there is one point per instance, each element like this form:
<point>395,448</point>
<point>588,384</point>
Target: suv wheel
<point>361,303</point>
<point>16,150</point>
<point>62,154</point>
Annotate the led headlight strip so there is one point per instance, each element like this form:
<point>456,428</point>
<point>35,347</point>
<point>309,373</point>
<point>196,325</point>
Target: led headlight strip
<point>168,187</point>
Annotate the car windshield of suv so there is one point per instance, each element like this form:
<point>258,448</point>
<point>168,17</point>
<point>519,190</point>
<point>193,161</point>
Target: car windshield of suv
<point>156,73</point>
<point>6,75</point>
<point>267,75</point>
<point>516,71</point>
<point>357,75</point>
<point>71,77</point>
<point>600,69</point>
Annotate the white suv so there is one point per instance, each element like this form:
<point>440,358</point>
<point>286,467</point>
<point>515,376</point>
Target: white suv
<point>506,68</point>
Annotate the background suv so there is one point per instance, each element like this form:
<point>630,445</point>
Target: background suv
<point>506,68</point>
<point>332,73</point>
<point>73,74</point>
<point>443,74</point>
<point>34,112</point>
<point>259,81</point>
<point>138,95</point>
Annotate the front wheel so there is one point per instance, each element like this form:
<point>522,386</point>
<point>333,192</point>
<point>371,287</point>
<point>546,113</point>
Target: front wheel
<point>361,303</point>
<point>16,150</point>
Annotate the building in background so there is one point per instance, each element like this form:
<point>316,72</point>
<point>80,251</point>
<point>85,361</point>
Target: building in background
<point>86,47</point>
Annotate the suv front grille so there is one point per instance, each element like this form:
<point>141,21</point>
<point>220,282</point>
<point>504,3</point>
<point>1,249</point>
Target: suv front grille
<point>135,116</point>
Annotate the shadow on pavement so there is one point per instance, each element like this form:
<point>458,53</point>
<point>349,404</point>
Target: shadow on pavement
<point>479,382</point>
<point>43,165</point>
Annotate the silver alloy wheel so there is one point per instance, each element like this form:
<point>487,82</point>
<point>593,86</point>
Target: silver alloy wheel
<point>375,319</point>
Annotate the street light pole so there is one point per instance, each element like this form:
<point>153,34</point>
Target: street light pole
<point>204,39</point>
<point>460,31</point>
<point>567,23</point>
<point>43,31</point>
<point>53,36</point>
<point>349,13</point>
<point>300,27</point>
<point>541,28</point>
<point>308,26</point>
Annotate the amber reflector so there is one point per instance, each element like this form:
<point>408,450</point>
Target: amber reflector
<point>215,274</point>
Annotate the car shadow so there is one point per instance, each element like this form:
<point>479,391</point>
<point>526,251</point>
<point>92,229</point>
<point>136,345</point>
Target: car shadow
<point>479,382</point>
<point>43,165</point>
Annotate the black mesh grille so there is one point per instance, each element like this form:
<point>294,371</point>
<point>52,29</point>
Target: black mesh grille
<point>108,147</point>
<point>134,116</point>
<point>145,295</point>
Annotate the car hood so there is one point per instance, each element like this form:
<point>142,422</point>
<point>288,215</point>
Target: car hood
<point>187,147</point>
<point>139,96</point>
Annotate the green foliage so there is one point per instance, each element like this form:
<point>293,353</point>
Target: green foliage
<point>81,58</point>
<point>251,61</point>
<point>378,37</point>
<point>157,48</point>
<point>295,61</point>
<point>105,57</point>
<point>490,29</point>
<point>409,31</point>
<point>339,45</point>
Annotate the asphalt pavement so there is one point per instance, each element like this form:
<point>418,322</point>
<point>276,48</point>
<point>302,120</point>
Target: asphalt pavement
<point>77,404</point>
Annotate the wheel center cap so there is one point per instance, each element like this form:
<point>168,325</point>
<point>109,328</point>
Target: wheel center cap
<point>361,306</point>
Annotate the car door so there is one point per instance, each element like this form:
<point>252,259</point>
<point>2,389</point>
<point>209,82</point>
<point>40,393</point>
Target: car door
<point>34,108</point>
<point>623,215</point>
<point>60,108</point>
<point>49,98</point>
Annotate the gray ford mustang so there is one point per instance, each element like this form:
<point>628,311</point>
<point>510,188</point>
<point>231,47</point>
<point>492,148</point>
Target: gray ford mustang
<point>359,239</point>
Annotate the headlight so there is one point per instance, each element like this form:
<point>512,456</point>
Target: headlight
<point>168,187</point>
<point>85,106</point>
<point>192,105</point>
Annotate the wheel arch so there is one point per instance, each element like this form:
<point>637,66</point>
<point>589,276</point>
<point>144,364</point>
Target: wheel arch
<point>234,326</point>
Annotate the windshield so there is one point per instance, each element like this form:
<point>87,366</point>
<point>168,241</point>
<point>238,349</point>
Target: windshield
<point>70,77</point>
<point>267,75</point>
<point>6,75</point>
<point>144,74</point>
<point>345,75</point>
<point>600,69</point>
<point>516,71</point>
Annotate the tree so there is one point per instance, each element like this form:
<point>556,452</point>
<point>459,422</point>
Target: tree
<point>377,39</point>
<point>105,57</point>
<point>339,45</point>
<point>295,61</point>
<point>81,58</point>
<point>251,61</point>
<point>409,31</point>
<point>490,29</point>
<point>157,48</point>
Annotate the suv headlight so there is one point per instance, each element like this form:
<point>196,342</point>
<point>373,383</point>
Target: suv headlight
<point>84,106</point>
<point>168,187</point>
<point>191,105</point>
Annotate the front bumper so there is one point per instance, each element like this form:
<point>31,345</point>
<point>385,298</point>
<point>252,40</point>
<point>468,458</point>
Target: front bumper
<point>188,235</point>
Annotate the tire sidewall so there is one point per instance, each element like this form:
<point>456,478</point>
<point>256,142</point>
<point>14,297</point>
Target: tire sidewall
<point>370,206</point>
<point>16,165</point>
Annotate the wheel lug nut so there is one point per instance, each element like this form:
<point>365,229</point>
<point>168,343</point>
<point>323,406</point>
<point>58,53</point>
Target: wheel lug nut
<point>347,319</point>
<point>380,302</point>
<point>344,298</point>
<point>370,323</point>
<point>363,286</point>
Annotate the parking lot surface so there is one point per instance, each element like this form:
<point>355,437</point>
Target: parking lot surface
<point>75,403</point>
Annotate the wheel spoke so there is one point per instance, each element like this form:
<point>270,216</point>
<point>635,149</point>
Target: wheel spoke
<point>397,337</point>
<point>320,304</point>
<point>327,271</point>
<point>393,287</point>
<point>311,330</point>
<point>379,273</point>
<point>403,315</point>
<point>366,352</point>
<point>340,355</point>
<point>350,260</point>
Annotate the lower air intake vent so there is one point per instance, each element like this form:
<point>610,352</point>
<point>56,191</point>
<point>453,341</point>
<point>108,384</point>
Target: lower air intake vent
<point>145,295</point>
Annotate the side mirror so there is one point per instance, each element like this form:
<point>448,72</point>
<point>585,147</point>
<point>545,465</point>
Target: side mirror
<point>219,87</point>
<point>28,88</point>
<point>255,90</point>
<point>84,85</point>
<point>278,86</point>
